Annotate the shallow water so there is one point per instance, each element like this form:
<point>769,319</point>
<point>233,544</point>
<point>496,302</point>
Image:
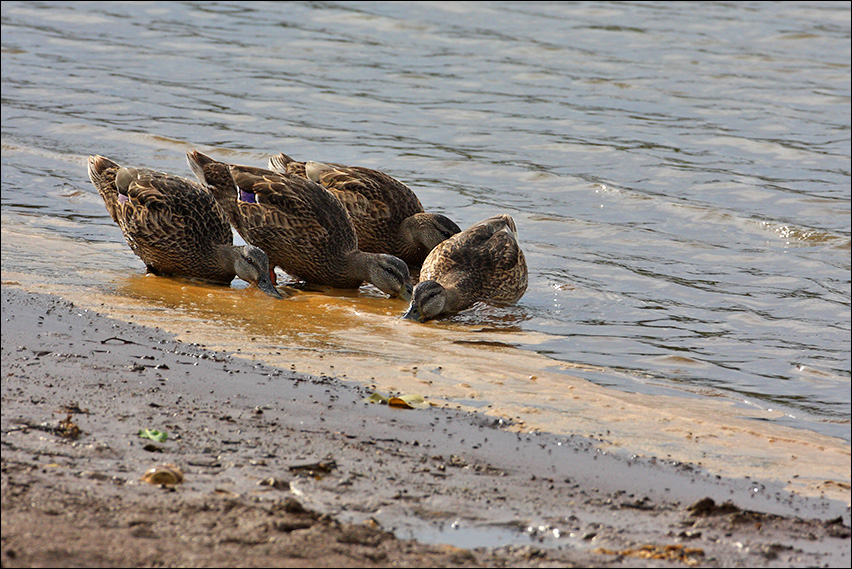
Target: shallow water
<point>679,175</point>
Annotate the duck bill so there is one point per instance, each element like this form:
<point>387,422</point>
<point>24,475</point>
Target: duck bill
<point>266,286</point>
<point>413,313</point>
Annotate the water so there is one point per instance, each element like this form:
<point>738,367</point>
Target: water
<point>679,175</point>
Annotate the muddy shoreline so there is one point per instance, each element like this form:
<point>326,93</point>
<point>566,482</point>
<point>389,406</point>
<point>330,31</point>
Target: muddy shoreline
<point>286,468</point>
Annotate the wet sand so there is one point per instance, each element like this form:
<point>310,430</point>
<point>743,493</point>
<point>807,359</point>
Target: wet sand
<point>284,468</point>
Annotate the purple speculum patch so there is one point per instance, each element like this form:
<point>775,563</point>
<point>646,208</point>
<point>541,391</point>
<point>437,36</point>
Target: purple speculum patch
<point>122,198</point>
<point>247,197</point>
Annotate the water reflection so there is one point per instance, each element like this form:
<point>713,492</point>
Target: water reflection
<point>309,316</point>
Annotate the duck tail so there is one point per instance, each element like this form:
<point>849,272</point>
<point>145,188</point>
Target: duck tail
<point>197,163</point>
<point>216,178</point>
<point>315,170</point>
<point>102,172</point>
<point>279,162</point>
<point>283,164</point>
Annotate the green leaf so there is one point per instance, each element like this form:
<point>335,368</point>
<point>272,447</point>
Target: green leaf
<point>154,435</point>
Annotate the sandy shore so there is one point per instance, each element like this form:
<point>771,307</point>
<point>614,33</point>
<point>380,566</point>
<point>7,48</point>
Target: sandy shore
<point>287,469</point>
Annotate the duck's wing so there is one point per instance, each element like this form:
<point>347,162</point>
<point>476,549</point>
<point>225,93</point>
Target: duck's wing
<point>387,197</point>
<point>171,212</point>
<point>301,225</point>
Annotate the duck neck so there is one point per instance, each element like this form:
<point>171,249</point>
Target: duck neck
<point>409,241</point>
<point>226,258</point>
<point>456,299</point>
<point>358,265</point>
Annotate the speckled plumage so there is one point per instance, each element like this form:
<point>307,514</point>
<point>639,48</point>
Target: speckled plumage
<point>175,225</point>
<point>387,215</point>
<point>302,226</point>
<point>484,263</point>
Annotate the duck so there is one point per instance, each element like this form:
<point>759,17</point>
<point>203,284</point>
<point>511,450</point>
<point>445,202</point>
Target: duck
<point>176,226</point>
<point>483,263</point>
<point>386,213</point>
<point>304,229</point>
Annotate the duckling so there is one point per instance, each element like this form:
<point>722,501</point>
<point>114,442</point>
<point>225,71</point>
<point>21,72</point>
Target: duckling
<point>175,226</point>
<point>387,215</point>
<point>303,228</point>
<point>482,263</point>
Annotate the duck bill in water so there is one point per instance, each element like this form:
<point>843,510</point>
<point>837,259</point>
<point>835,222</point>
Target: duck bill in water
<point>264,283</point>
<point>413,313</point>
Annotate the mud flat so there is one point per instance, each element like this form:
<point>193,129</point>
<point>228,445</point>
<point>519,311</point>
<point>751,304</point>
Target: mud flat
<point>283,468</point>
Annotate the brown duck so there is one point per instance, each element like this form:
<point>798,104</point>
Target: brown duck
<point>387,216</point>
<point>483,263</point>
<point>303,228</point>
<point>175,226</point>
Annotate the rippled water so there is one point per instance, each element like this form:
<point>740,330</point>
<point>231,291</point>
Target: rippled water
<point>679,173</point>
